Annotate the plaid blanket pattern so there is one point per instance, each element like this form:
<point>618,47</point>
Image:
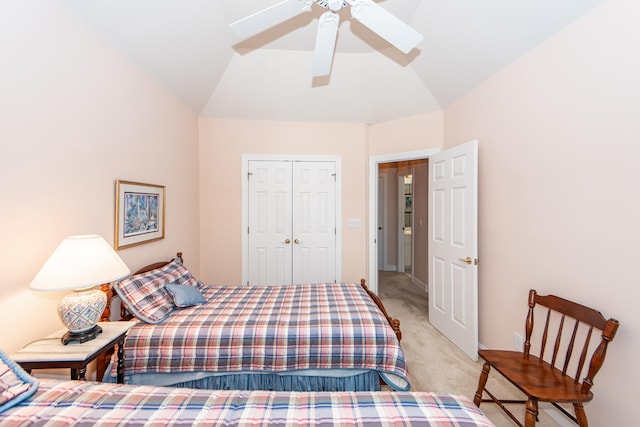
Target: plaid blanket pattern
<point>270,329</point>
<point>77,403</point>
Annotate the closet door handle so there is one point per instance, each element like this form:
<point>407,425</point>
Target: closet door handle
<point>297,242</point>
<point>287,241</point>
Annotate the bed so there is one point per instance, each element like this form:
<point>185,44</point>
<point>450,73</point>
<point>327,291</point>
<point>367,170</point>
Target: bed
<point>27,401</point>
<point>317,337</point>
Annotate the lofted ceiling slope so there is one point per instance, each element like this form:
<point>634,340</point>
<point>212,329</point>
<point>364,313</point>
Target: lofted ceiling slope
<point>186,45</point>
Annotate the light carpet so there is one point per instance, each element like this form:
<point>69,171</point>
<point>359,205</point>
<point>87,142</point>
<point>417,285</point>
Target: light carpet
<point>436,365</point>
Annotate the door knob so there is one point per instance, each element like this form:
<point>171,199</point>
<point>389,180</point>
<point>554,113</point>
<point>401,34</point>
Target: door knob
<point>468,260</point>
<point>287,241</point>
<point>297,242</point>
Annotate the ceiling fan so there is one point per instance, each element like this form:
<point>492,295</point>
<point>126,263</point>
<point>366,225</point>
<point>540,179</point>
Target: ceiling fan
<point>369,13</point>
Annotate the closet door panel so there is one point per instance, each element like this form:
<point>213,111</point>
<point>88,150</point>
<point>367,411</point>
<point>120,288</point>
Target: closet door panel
<point>270,223</point>
<point>314,222</point>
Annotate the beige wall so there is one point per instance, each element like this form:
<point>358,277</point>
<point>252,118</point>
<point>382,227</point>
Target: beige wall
<point>420,132</point>
<point>420,220</point>
<point>558,136</point>
<point>222,144</point>
<point>75,117</point>
<point>224,141</point>
<point>389,173</point>
<point>559,148</point>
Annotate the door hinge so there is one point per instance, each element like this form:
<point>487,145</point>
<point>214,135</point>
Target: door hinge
<point>249,175</point>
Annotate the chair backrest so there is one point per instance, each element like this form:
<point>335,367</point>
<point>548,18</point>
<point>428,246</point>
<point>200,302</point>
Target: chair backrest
<point>566,350</point>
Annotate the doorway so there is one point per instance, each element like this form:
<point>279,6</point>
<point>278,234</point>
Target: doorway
<point>402,230</point>
<point>452,239</point>
<point>405,222</point>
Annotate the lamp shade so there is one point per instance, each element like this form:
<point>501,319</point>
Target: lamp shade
<point>80,262</point>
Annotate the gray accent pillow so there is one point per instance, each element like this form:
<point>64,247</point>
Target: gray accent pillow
<point>185,295</point>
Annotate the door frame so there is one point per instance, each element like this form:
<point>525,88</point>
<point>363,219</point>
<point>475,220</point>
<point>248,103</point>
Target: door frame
<point>382,249</point>
<point>246,158</point>
<point>401,267</point>
<point>374,163</point>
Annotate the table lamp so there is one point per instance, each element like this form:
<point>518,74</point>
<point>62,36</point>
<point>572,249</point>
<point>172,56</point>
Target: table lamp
<point>80,263</point>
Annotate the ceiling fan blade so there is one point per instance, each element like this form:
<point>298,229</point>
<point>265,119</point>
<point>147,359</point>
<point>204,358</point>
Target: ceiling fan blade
<point>325,43</point>
<point>385,24</point>
<point>269,17</point>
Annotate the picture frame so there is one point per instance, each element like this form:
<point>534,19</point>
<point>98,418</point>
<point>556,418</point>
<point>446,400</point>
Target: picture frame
<point>139,213</point>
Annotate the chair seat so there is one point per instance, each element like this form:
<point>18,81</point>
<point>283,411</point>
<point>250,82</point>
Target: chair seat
<point>535,377</point>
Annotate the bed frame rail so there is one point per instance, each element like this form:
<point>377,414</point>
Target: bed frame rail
<point>395,323</point>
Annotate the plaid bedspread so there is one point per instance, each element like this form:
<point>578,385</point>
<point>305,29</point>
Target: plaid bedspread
<point>78,403</point>
<point>270,329</point>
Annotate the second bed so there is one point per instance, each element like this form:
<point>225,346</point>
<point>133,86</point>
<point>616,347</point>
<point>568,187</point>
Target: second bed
<point>311,337</point>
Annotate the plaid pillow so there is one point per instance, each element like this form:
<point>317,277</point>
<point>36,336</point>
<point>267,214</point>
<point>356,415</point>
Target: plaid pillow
<point>144,294</point>
<point>185,277</point>
<point>15,384</point>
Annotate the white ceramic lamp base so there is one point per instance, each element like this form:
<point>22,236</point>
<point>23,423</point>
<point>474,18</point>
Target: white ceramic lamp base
<point>80,311</point>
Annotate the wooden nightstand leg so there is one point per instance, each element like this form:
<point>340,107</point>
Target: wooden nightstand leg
<point>79,374</point>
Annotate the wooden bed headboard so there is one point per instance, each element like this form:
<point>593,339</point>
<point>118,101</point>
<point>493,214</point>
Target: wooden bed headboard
<point>108,290</point>
<point>158,264</point>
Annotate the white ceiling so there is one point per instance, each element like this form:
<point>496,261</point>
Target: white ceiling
<point>186,45</point>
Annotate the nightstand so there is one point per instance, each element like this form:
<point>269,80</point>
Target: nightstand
<point>49,352</point>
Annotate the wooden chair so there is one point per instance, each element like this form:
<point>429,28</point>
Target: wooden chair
<point>543,377</point>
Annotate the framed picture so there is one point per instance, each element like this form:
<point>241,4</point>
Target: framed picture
<point>139,213</point>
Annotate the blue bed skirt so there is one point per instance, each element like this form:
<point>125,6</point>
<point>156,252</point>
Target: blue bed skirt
<point>368,381</point>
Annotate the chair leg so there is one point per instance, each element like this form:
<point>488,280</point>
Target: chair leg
<point>477,399</point>
<point>532,413</point>
<point>581,416</point>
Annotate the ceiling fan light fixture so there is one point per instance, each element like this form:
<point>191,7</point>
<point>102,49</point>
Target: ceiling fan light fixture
<point>335,4</point>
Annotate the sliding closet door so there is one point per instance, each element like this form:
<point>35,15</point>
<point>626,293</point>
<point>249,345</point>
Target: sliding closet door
<point>292,222</point>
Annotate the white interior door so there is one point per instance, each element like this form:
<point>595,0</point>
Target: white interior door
<point>291,217</point>
<point>314,222</point>
<point>453,245</point>
<point>270,222</point>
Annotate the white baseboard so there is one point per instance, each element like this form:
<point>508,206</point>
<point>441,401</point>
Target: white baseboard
<point>420,283</point>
